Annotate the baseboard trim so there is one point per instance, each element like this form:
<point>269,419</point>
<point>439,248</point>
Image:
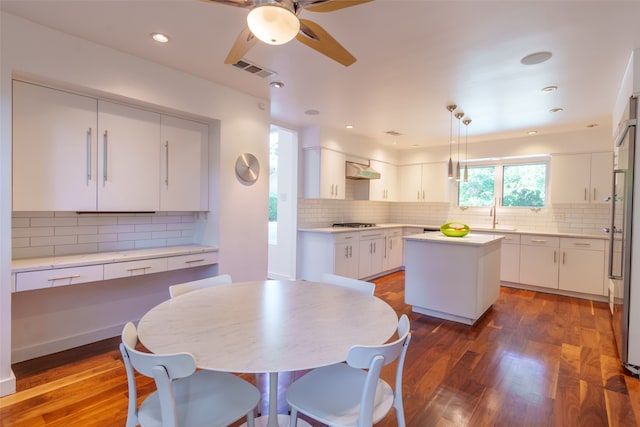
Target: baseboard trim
<point>49,347</point>
<point>8,385</point>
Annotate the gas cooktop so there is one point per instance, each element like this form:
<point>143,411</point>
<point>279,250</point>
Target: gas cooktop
<point>355,224</point>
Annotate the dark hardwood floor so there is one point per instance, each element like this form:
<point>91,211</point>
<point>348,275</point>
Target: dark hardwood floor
<point>535,359</point>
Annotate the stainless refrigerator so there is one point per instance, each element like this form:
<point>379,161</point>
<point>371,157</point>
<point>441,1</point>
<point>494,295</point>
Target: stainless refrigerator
<point>624,243</point>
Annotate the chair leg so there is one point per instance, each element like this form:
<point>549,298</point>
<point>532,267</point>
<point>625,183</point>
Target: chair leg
<point>251,420</point>
<point>400,413</point>
<point>293,421</point>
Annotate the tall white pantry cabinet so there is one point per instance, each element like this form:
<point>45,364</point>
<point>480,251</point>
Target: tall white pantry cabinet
<point>74,152</point>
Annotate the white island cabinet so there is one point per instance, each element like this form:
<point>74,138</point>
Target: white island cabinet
<point>452,278</point>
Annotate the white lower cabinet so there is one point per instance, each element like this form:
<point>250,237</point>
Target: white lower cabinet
<point>510,258</point>
<point>539,260</point>
<point>582,266</point>
<point>346,256</point>
<point>372,252</point>
<point>393,255</point>
<point>569,264</point>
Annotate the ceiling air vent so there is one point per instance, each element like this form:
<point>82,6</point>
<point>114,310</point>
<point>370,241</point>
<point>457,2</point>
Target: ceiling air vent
<point>259,71</point>
<point>393,133</point>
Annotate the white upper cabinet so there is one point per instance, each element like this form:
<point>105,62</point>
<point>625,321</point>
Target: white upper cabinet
<point>581,178</point>
<point>427,182</point>
<point>54,149</point>
<point>184,165</point>
<point>435,183</point>
<point>324,174</point>
<point>128,158</point>
<point>385,188</point>
<point>77,153</point>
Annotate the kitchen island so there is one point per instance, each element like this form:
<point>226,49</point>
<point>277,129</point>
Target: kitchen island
<point>452,278</point>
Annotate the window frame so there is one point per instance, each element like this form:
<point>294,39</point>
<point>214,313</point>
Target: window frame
<point>498,183</point>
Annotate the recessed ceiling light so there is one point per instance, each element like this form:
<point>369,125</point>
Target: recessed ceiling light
<point>348,126</point>
<point>536,58</point>
<point>312,112</point>
<point>550,89</point>
<point>276,85</point>
<point>556,110</point>
<point>532,132</point>
<point>160,38</point>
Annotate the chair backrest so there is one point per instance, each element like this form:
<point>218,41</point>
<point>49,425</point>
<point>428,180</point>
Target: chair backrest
<point>163,368</point>
<point>373,358</point>
<point>183,288</point>
<point>358,285</point>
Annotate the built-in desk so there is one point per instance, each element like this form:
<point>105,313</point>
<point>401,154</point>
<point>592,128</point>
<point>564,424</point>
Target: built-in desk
<point>453,278</point>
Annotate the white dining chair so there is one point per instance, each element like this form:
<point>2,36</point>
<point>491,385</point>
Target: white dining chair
<point>345,394</point>
<point>185,397</point>
<point>183,288</point>
<point>358,285</point>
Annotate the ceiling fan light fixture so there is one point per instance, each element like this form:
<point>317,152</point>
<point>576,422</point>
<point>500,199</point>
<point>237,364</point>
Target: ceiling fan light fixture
<point>273,23</point>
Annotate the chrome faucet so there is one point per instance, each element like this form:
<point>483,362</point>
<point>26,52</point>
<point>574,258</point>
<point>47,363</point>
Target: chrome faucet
<point>494,214</point>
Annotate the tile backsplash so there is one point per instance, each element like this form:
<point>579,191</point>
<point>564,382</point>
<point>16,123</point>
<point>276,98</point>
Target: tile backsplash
<point>565,218</point>
<point>39,234</point>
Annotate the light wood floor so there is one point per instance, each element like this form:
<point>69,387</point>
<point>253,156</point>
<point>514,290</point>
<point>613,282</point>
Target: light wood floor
<point>534,360</point>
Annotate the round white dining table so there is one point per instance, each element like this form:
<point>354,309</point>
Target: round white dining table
<point>267,327</point>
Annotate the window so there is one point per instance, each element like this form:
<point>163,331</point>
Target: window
<point>515,184</point>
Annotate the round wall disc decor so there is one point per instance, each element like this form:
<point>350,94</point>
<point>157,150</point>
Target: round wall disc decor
<point>247,168</point>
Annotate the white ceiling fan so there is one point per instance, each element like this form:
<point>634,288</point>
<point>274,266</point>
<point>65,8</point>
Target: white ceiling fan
<point>276,22</point>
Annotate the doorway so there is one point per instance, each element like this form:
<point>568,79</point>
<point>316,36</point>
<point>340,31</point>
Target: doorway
<point>283,202</point>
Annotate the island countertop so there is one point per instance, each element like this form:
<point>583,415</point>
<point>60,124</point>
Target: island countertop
<point>474,239</point>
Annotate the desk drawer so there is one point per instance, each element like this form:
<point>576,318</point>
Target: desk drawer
<point>134,268</point>
<point>41,279</point>
<point>192,260</point>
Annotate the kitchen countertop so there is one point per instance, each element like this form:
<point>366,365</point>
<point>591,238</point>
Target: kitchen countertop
<point>32,264</point>
<point>437,227</point>
<point>471,239</point>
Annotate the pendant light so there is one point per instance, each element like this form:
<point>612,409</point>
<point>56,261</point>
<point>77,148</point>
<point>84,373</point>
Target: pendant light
<point>459,115</point>
<point>466,122</point>
<point>451,108</point>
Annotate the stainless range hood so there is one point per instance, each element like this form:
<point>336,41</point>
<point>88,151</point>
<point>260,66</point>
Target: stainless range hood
<point>360,171</point>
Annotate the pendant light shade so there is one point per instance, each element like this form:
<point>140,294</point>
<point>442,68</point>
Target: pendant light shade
<point>466,122</point>
<point>273,22</point>
<point>451,108</point>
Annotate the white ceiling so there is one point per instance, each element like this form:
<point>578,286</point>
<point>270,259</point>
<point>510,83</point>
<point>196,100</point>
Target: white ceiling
<point>413,59</point>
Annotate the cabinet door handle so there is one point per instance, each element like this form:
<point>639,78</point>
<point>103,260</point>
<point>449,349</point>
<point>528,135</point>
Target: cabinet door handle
<point>586,193</point>
<point>564,256</point>
<point>423,198</point>
<point>581,244</point>
<point>88,155</point>
<point>418,195</point>
<point>555,256</point>
<point>336,196</point>
<point>350,251</point>
<point>53,279</point>
<point>166,164</point>
<point>138,268</point>
<point>105,141</point>
<point>538,241</point>
<point>346,251</point>
<point>194,260</point>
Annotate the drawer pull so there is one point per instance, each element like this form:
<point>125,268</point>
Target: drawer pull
<point>538,241</point>
<point>195,260</point>
<point>582,244</point>
<point>139,268</point>
<point>347,238</point>
<point>75,276</point>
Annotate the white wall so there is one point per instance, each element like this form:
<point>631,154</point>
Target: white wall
<point>242,126</point>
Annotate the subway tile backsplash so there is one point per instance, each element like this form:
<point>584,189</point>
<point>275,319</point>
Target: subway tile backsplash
<point>565,218</point>
<point>39,234</point>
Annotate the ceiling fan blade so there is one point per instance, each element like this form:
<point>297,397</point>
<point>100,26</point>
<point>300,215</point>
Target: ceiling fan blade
<point>236,3</point>
<point>245,41</point>
<point>314,36</point>
<point>331,5</point>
